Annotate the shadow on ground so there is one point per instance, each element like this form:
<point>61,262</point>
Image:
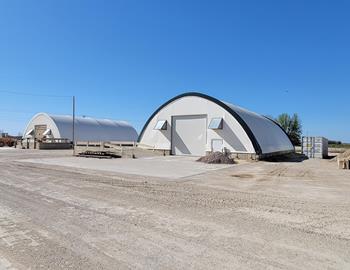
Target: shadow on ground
<point>292,157</point>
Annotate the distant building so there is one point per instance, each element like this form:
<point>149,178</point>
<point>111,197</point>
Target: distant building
<point>43,125</point>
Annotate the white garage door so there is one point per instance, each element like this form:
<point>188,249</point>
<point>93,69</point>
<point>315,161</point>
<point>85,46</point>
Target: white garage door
<point>189,135</point>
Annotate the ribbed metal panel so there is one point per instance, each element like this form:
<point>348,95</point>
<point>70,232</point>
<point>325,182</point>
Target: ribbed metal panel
<point>315,147</point>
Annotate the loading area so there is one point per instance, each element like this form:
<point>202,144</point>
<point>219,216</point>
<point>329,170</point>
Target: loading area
<point>167,167</point>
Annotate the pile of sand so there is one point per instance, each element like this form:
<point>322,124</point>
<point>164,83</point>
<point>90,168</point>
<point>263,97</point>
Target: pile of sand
<point>216,158</point>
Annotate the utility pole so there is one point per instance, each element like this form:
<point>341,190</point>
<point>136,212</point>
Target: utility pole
<point>73,127</point>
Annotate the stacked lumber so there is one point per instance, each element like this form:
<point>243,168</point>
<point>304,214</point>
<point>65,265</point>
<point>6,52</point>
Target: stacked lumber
<point>344,164</point>
<point>344,160</point>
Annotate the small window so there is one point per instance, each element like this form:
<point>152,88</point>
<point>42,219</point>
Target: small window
<point>216,123</point>
<point>30,133</point>
<point>161,125</point>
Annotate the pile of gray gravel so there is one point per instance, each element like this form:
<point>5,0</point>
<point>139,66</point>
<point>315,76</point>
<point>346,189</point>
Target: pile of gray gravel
<point>216,158</point>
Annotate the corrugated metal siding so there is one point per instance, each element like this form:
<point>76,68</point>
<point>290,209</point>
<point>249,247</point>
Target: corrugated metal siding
<point>315,147</point>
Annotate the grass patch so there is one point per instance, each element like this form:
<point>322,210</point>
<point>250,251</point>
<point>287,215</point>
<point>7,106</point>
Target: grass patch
<point>343,145</point>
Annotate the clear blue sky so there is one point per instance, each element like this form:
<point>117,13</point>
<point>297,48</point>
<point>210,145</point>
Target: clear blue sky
<point>122,59</point>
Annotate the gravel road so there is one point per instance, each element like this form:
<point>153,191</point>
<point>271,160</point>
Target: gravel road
<point>249,216</point>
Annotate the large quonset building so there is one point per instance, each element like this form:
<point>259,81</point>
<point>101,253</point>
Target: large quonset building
<point>45,126</point>
<point>195,124</point>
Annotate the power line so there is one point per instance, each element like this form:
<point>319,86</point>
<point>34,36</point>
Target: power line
<point>33,94</point>
<point>16,111</point>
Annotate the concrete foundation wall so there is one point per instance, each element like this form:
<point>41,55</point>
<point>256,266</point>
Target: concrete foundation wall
<point>54,146</point>
<point>33,144</point>
<point>123,149</point>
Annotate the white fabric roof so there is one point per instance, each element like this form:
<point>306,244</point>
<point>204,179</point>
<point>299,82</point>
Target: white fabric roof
<point>246,131</point>
<point>86,128</point>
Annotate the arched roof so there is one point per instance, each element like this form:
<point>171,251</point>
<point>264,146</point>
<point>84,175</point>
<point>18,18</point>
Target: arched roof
<point>257,127</point>
<point>88,128</point>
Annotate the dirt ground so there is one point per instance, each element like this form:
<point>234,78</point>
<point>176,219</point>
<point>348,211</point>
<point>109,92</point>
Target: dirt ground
<point>248,216</point>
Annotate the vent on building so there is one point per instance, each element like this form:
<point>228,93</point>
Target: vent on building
<point>161,125</point>
<point>216,123</point>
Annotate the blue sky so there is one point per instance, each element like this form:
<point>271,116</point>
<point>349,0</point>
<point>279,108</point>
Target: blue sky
<point>122,59</point>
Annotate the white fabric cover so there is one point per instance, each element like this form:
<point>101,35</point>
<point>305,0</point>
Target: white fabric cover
<point>234,135</point>
<point>86,128</point>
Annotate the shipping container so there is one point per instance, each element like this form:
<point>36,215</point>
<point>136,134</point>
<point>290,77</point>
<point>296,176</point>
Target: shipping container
<point>315,147</point>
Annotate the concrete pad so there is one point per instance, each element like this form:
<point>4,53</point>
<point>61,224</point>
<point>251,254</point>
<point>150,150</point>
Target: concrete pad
<point>173,167</point>
<point>6,148</point>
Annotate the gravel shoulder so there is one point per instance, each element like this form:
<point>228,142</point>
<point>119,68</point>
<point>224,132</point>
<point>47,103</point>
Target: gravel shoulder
<point>247,216</point>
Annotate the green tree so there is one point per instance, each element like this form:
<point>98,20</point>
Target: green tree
<point>292,126</point>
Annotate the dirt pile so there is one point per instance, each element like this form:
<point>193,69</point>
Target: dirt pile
<point>217,158</point>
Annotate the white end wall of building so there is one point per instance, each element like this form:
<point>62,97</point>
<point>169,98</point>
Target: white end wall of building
<point>233,135</point>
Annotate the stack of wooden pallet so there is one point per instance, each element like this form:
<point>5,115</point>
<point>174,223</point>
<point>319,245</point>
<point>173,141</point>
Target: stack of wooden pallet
<point>344,164</point>
<point>344,160</point>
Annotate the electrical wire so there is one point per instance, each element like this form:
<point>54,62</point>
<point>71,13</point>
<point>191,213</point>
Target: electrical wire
<point>33,94</point>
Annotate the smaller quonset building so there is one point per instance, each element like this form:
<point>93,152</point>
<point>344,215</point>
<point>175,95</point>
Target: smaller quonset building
<point>60,127</point>
<point>196,124</point>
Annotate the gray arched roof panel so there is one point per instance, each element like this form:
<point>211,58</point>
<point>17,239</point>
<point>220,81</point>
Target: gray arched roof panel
<point>270,136</point>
